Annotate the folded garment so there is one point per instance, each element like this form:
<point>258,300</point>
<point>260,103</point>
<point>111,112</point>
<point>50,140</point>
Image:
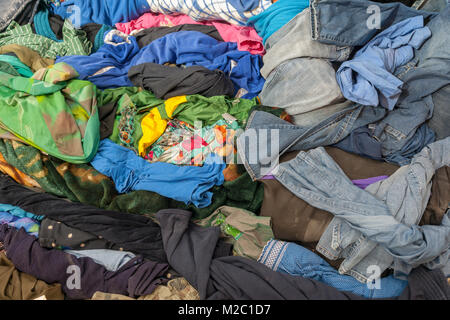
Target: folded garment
<point>74,41</point>
<point>290,258</point>
<point>131,172</point>
<point>246,38</point>
<point>80,278</point>
<point>167,82</point>
<point>131,232</point>
<point>17,285</point>
<point>52,112</point>
<point>146,36</point>
<point>109,66</point>
<point>368,78</point>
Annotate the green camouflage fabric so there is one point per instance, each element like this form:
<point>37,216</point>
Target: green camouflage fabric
<point>176,289</point>
<point>82,183</point>
<point>248,233</point>
<point>52,112</point>
<point>75,41</point>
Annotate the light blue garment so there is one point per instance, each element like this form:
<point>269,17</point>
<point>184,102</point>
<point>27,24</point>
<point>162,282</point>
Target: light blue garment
<point>31,226</point>
<point>368,78</point>
<point>130,172</point>
<point>112,260</point>
<point>290,258</point>
<point>378,225</point>
<point>82,12</point>
<point>188,48</point>
<point>276,16</point>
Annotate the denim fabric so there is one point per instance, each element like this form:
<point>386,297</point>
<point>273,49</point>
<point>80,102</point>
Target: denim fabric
<point>299,75</point>
<point>10,10</point>
<point>368,78</point>
<point>112,260</point>
<point>351,23</point>
<point>441,113</point>
<point>424,77</point>
<point>267,137</point>
<point>290,258</point>
<point>375,226</point>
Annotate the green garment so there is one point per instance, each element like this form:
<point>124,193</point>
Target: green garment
<point>82,183</point>
<point>74,41</point>
<point>51,112</point>
<point>247,232</point>
<point>21,68</point>
<point>210,110</point>
<point>207,110</point>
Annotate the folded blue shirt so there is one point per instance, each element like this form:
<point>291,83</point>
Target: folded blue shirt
<point>290,258</point>
<point>189,48</point>
<point>368,78</point>
<point>189,184</point>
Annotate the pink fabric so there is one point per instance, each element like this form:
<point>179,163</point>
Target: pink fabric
<point>246,37</point>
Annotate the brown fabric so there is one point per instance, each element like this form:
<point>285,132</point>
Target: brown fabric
<point>440,197</point>
<point>176,289</point>
<point>16,285</point>
<point>29,57</point>
<point>16,174</point>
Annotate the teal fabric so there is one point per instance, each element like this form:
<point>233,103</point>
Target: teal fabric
<point>15,62</point>
<point>42,26</point>
<point>276,16</point>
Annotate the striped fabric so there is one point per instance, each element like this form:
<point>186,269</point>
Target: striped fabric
<point>74,41</point>
<point>210,9</point>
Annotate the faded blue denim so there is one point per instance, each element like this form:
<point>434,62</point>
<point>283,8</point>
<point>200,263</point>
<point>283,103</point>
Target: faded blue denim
<point>338,21</point>
<point>378,225</point>
<point>290,258</point>
<point>424,97</point>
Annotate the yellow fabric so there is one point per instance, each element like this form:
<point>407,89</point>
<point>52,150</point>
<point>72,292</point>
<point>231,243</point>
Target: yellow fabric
<point>153,126</point>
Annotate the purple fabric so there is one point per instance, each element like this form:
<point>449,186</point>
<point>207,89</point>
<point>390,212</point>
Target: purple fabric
<point>364,183</point>
<point>137,277</point>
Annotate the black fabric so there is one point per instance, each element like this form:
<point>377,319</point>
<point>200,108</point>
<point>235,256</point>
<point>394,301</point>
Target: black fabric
<point>146,36</point>
<point>135,233</point>
<point>190,251</point>
<point>166,81</point>
<point>53,234</point>
<point>137,277</point>
<point>107,115</point>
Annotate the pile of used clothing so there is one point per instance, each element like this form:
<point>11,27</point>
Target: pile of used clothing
<point>224,149</point>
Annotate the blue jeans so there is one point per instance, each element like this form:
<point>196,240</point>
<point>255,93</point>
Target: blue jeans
<point>375,226</point>
<point>290,258</point>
